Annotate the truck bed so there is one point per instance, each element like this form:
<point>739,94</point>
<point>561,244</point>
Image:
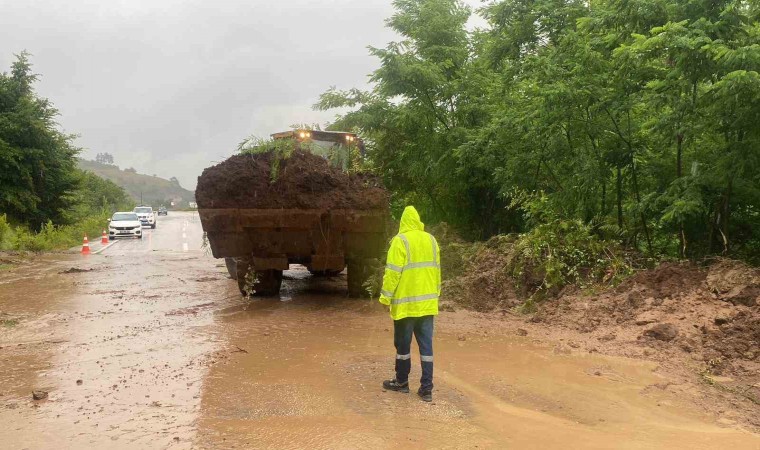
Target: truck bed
<point>322,239</point>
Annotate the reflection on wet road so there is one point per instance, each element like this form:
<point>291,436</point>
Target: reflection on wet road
<point>153,348</point>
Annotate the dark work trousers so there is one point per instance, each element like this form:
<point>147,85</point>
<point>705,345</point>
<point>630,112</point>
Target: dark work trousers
<point>422,328</point>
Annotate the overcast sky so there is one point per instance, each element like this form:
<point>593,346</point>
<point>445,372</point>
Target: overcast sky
<point>171,86</point>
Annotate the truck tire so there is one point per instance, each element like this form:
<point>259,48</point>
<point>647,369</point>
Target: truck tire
<point>267,282</point>
<point>358,273</point>
<point>231,267</point>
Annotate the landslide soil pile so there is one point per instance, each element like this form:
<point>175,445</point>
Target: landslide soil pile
<point>300,181</point>
<point>701,323</point>
<point>710,316</point>
<point>703,317</point>
<point>474,274</point>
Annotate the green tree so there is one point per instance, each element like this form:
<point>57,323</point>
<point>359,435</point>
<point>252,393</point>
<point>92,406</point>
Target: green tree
<point>104,158</point>
<point>639,118</point>
<point>425,103</point>
<point>37,161</point>
<point>96,195</point>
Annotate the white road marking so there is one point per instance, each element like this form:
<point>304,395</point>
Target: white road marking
<point>184,246</point>
<point>100,250</point>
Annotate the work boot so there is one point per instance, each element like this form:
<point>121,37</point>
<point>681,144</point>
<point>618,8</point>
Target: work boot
<point>393,385</point>
<point>426,396</point>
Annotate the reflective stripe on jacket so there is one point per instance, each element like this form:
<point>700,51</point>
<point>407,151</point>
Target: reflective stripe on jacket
<point>412,280</point>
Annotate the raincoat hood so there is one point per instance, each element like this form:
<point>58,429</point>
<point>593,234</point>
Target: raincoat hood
<point>410,220</point>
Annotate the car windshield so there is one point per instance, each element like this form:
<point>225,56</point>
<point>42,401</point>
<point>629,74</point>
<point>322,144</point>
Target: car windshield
<point>124,216</point>
<point>142,210</point>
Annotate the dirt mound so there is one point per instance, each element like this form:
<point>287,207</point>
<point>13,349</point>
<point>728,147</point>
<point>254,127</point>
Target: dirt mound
<point>300,181</point>
<point>699,322</point>
<point>667,280</point>
<point>76,270</point>
<point>709,315</point>
<point>475,274</point>
<point>735,282</point>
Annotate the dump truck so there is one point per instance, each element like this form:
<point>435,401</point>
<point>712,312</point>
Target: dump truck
<point>267,209</point>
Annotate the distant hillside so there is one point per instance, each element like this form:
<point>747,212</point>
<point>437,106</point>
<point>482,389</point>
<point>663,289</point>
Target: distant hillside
<point>155,191</point>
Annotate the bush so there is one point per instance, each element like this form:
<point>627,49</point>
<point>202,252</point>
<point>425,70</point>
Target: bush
<point>563,252</point>
<point>52,237</point>
<point>538,264</point>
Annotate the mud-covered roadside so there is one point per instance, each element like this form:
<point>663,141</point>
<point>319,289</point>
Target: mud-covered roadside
<point>700,323</point>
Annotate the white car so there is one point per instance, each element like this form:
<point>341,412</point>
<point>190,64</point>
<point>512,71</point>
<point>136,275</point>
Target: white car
<point>146,215</point>
<point>124,224</point>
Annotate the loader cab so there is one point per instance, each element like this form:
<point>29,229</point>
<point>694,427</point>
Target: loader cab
<point>336,146</point>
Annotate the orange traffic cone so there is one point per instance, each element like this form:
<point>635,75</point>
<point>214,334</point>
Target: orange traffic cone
<point>85,246</point>
<point>104,238</point>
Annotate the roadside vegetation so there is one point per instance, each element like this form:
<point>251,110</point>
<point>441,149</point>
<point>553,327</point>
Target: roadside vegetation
<point>46,203</point>
<point>588,130</point>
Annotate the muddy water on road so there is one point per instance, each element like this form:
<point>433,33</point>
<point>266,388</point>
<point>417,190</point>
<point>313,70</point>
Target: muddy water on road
<point>119,349</point>
<point>169,356</point>
<point>308,375</point>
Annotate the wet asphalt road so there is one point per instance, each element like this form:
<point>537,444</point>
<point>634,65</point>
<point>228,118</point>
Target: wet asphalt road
<point>154,348</point>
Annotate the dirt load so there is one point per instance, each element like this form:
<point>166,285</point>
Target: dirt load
<point>300,181</point>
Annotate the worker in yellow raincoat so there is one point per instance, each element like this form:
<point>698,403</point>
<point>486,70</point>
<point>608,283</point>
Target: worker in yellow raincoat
<point>411,287</point>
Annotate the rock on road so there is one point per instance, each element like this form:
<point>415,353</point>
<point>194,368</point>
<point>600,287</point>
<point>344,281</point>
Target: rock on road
<point>154,348</point>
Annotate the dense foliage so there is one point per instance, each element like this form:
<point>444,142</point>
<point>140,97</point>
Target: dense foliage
<point>638,119</point>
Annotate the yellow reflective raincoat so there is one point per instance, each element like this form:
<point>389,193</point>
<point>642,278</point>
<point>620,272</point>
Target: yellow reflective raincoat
<point>412,281</point>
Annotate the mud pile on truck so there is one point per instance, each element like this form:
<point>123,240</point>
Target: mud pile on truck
<point>265,210</point>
